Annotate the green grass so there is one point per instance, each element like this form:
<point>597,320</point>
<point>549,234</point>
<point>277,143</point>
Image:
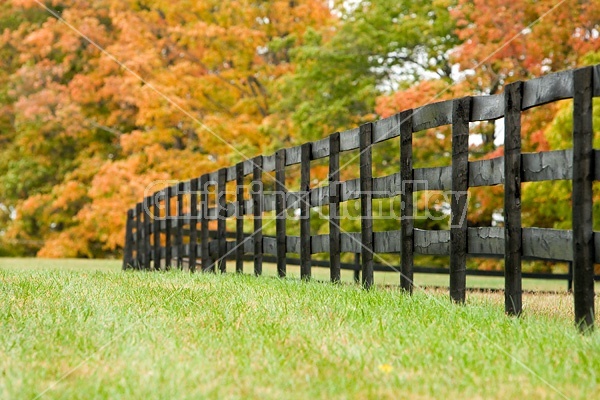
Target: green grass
<point>381,278</point>
<point>83,329</point>
<point>420,279</point>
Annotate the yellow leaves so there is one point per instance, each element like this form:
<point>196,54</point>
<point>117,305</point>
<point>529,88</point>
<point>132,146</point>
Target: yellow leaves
<point>71,192</point>
<point>212,31</point>
<point>69,244</point>
<point>33,203</point>
<point>134,141</point>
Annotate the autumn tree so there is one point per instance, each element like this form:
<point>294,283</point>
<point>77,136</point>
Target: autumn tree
<point>86,135</point>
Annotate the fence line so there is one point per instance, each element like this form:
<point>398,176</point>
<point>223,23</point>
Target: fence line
<point>151,223</point>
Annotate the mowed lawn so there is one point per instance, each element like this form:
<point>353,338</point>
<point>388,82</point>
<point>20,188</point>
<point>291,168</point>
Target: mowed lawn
<point>84,329</point>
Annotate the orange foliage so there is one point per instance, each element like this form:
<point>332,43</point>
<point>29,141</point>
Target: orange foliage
<point>92,136</point>
<point>422,93</point>
<point>507,41</point>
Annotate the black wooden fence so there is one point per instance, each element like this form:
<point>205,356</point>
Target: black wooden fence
<point>158,230</point>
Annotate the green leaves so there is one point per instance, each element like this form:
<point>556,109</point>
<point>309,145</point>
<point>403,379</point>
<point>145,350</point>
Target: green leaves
<point>378,45</point>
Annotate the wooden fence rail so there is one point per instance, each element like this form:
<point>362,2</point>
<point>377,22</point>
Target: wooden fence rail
<point>164,226</point>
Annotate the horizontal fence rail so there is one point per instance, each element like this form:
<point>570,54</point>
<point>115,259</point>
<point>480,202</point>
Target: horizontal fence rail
<point>175,225</point>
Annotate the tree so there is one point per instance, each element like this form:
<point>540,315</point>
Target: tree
<point>85,136</point>
<point>375,46</point>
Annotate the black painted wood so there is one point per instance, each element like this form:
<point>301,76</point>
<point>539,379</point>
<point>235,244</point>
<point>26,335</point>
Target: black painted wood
<point>156,230</point>
<point>305,250</point>
<point>387,186</point>
<point>349,140</point>
<point>535,167</point>
<point>386,129</point>
<point>257,210</point>
<point>146,232</point>
<point>366,204</point>
<point>334,207</point>
<point>388,241</point>
<point>292,156</point>
<point>432,115</point>
<point>281,212</point>
<point>406,197</point>
<point>179,226</point>
<point>193,235</point>
<point>319,149</point>
<point>487,108</point>
<point>357,268</point>
<point>128,249</point>
<point>239,222</point>
<point>547,165</point>
<point>168,229</point>
<point>205,258</point>
<point>486,172</point>
<point>319,243</point>
<point>596,80</point>
<point>583,234</point>
<point>546,89</point>
<point>437,178</point>
<point>547,244</point>
<point>139,248</point>
<point>458,205</point>
<point>512,198</point>
<point>222,219</point>
<point>268,163</point>
<point>350,242</point>
<point>570,278</point>
<point>432,242</point>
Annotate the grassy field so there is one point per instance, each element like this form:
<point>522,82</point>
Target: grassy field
<point>84,329</point>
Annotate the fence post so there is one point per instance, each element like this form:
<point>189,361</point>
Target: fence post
<point>179,229</point>
<point>461,110</point>
<point>334,207</point>
<point>147,233</point>
<point>222,219</point>
<point>406,199</point>
<point>582,201</point>
<point>156,223</point>
<point>239,222</point>
<point>357,267</point>
<point>366,200</point>
<point>193,224</point>
<point>570,278</point>
<point>512,198</point>
<point>280,212</point>
<point>207,264</point>
<point>169,226</point>
<point>305,239</point>
<point>139,247</point>
<point>128,248</point>
<point>257,210</point>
